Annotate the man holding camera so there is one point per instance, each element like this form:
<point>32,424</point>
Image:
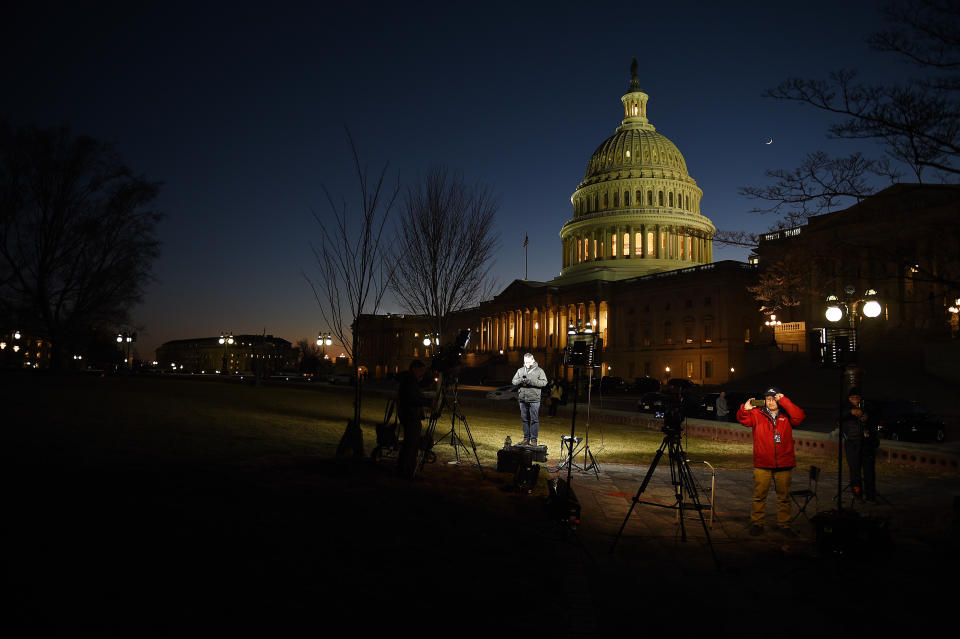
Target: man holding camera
<point>772,421</point>
<point>860,442</point>
<point>530,378</point>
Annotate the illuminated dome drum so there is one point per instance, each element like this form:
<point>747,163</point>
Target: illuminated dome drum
<point>637,210</point>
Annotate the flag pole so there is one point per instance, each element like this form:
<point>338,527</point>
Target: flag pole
<point>526,241</point>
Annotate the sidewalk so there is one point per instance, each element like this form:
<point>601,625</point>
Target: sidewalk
<point>767,579</point>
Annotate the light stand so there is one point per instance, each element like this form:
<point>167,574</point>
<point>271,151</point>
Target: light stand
<point>589,461</point>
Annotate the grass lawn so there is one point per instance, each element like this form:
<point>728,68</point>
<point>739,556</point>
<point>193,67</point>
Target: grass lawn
<point>188,507</point>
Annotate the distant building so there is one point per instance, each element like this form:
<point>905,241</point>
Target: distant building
<point>247,354</point>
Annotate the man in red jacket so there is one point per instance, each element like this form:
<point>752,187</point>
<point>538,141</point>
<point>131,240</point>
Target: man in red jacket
<point>773,455</point>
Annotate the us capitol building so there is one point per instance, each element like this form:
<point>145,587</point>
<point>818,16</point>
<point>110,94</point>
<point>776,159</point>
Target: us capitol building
<point>636,264</point>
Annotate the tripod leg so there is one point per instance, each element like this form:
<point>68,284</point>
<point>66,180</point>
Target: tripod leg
<point>687,478</point>
<point>636,498</point>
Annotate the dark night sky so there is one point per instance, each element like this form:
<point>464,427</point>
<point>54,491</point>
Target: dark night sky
<point>240,111</point>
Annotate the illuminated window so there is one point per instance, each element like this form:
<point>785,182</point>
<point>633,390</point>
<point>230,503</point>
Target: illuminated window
<point>613,245</point>
<point>746,336</point>
<point>628,153</point>
<point>636,110</point>
<point>689,247</point>
<point>594,249</point>
<point>650,243</point>
<point>626,244</point>
<point>708,333</point>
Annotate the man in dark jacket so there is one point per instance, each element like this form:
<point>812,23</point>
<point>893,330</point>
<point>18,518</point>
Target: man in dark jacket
<point>410,403</point>
<point>860,442</point>
<point>773,454</point>
<point>531,379</point>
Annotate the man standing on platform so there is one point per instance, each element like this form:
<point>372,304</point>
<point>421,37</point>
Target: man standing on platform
<point>773,454</point>
<point>530,378</point>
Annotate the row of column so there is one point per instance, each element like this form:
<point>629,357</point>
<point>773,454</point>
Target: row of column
<point>538,328</point>
<point>636,242</point>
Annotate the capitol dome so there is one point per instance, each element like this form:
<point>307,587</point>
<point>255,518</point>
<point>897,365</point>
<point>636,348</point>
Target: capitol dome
<point>637,210</point>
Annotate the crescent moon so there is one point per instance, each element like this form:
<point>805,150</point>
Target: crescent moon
<point>770,141</point>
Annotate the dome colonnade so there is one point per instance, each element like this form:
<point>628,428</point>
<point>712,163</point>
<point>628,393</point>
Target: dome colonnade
<point>637,210</point>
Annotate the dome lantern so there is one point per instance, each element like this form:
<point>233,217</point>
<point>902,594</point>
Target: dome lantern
<point>635,104</point>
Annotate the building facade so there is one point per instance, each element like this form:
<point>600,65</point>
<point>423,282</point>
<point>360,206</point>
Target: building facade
<point>904,244</point>
<point>247,354</point>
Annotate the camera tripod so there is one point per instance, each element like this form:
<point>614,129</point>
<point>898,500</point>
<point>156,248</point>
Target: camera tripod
<point>455,440</point>
<point>682,480</point>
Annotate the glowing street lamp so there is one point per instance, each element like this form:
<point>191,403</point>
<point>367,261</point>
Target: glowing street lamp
<point>853,306</point>
<point>226,339</point>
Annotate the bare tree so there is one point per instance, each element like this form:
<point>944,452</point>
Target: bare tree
<point>446,247</point>
<point>351,278</point>
<point>917,123</point>
<point>782,285</point>
<point>77,236</point>
<point>819,185</point>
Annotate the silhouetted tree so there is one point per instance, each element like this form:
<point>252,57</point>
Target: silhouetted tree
<point>308,356</point>
<point>77,236</point>
<point>351,277</point>
<point>447,243</point>
<point>917,123</point>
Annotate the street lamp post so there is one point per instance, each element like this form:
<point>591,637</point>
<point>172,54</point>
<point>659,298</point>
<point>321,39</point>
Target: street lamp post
<point>226,339</point>
<point>772,324</point>
<point>126,339</point>
<point>854,307</point>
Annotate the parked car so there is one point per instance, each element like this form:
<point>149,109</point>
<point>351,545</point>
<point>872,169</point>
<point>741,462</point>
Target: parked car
<point>642,385</point>
<point>340,378</point>
<point>678,385</point>
<point>610,385</point>
<point>907,420</point>
<point>653,403</point>
<point>700,406</point>
<point>504,392</point>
